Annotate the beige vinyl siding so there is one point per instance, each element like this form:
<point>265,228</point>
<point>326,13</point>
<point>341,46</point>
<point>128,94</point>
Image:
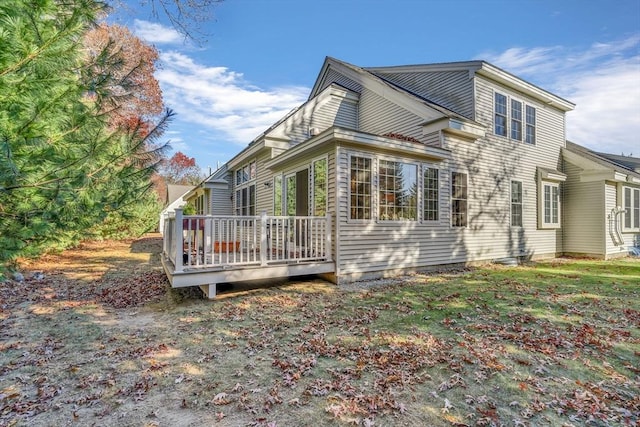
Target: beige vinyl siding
<point>333,76</point>
<point>221,203</point>
<point>380,116</point>
<point>319,114</point>
<point>450,89</point>
<point>371,246</point>
<point>432,139</point>
<point>264,193</point>
<point>584,219</point>
<point>495,161</point>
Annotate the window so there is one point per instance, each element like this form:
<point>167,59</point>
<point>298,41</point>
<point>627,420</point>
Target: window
<point>631,205</point>
<point>516,120</point>
<point>246,189</point>
<point>521,118</point>
<point>291,194</point>
<point>431,193</point>
<point>530,137</point>
<point>398,191</point>
<point>516,204</point>
<point>459,199</point>
<point>360,187</point>
<point>320,187</point>
<point>500,114</point>
<point>550,205</point>
<point>277,195</point>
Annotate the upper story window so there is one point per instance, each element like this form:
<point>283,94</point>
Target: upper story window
<point>459,197</point>
<point>360,174</point>
<point>398,191</point>
<point>517,122</point>
<point>631,205</point>
<point>530,137</point>
<point>245,196</point>
<point>500,127</point>
<point>516,203</point>
<point>431,194</point>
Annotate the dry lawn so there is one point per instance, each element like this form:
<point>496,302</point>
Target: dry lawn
<point>101,340</point>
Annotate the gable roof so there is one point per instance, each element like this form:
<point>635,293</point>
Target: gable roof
<point>175,191</point>
<point>624,168</point>
<point>480,67</point>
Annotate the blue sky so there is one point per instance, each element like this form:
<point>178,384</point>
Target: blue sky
<point>261,58</point>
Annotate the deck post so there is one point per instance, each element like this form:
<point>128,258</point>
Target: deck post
<point>179,241</point>
<point>263,238</point>
<point>327,249</point>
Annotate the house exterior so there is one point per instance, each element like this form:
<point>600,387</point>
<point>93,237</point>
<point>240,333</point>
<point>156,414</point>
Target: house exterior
<point>407,168</point>
<point>175,198</point>
<point>602,200</point>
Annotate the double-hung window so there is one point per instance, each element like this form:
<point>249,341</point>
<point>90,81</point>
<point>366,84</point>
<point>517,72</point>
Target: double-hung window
<point>530,135</point>
<point>550,204</point>
<point>459,197</point>
<point>516,203</point>
<point>631,205</point>
<point>514,119</point>
<point>431,194</point>
<point>245,196</point>
<point>500,120</point>
<point>360,174</point>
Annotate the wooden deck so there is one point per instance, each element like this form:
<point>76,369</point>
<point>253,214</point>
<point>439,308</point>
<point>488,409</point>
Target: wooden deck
<point>204,250</point>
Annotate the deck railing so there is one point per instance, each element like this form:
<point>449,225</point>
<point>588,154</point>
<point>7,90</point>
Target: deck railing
<point>206,241</point>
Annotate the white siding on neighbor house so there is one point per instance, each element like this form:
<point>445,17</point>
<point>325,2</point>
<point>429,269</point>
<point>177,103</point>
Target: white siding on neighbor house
<point>585,224</point>
<point>380,116</point>
<point>450,89</point>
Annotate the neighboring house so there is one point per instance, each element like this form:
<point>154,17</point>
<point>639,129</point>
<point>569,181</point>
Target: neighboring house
<point>173,199</point>
<point>602,203</point>
<point>388,170</point>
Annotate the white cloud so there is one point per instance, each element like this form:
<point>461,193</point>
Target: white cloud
<point>155,33</point>
<point>603,81</point>
<point>221,100</point>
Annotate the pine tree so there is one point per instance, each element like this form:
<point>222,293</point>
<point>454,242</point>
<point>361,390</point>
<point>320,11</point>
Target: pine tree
<point>62,167</point>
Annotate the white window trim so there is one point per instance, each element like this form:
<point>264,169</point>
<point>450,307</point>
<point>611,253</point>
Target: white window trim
<point>523,122</point>
<point>541,214</point>
<point>312,182</point>
<point>376,189</point>
<point>511,204</point>
<point>372,182</point>
<point>421,199</point>
<point>457,227</point>
<point>621,203</point>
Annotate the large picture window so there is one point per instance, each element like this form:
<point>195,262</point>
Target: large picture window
<point>459,196</point>
<point>631,205</point>
<point>516,203</point>
<point>398,191</point>
<point>360,187</point>
<point>431,194</point>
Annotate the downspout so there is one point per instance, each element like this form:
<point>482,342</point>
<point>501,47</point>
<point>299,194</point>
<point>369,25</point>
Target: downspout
<point>615,226</point>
